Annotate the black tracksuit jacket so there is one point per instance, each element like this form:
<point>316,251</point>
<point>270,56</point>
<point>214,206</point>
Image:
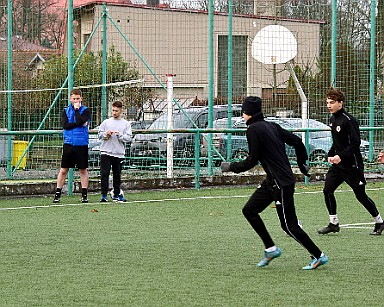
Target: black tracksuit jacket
<point>266,143</point>
<point>346,141</point>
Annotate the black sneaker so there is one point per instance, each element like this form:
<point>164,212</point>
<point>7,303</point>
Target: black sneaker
<point>379,227</point>
<point>330,228</point>
<point>84,199</point>
<point>56,199</point>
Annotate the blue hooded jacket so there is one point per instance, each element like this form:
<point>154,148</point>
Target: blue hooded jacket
<point>78,136</point>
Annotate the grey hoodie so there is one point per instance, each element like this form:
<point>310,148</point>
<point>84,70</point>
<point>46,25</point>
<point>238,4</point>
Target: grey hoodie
<point>115,145</point>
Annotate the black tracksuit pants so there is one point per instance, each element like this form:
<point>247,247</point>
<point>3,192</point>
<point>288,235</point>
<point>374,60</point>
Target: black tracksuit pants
<point>106,162</point>
<point>355,179</point>
<point>283,197</point>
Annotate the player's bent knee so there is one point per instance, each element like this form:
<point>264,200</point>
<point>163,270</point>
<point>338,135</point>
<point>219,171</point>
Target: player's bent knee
<point>247,212</point>
<point>250,212</point>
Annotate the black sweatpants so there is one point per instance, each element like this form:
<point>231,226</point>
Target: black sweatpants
<point>283,197</point>
<point>355,179</point>
<point>106,162</point>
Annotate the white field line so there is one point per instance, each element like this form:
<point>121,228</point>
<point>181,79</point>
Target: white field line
<point>166,200</point>
<point>358,225</point>
<point>127,202</point>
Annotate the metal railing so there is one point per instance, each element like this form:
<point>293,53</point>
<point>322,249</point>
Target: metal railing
<point>42,151</point>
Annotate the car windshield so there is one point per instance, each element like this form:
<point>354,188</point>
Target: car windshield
<point>296,123</point>
<point>179,121</point>
<point>286,123</point>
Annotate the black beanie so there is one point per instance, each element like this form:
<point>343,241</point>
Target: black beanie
<point>251,105</point>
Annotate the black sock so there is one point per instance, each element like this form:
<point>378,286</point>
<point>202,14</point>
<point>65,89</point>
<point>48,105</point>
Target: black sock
<point>84,192</point>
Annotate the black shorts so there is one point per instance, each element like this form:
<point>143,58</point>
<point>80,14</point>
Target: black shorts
<point>74,156</point>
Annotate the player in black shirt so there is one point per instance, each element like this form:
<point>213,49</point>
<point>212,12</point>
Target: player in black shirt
<point>347,163</point>
<point>266,143</point>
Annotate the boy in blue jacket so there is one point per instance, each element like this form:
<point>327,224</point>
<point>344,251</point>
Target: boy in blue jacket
<point>75,121</point>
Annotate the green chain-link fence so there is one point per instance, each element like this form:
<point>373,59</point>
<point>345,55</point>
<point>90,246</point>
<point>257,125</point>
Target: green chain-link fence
<point>125,50</point>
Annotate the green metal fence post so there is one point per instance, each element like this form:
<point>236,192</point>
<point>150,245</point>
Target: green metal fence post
<point>70,76</point>
<point>104,66</point>
<point>372,79</point>
<point>210,81</point>
<point>306,179</point>
<point>230,51</point>
<point>197,160</point>
<point>9,86</point>
<point>333,42</point>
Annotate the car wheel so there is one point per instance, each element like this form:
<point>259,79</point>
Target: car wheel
<point>318,157</point>
<point>186,156</point>
<point>240,155</point>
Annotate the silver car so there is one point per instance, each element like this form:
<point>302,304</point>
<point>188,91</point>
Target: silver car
<point>319,141</point>
<point>151,149</point>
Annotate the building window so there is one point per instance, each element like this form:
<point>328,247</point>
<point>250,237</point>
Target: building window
<point>239,66</point>
<point>86,37</point>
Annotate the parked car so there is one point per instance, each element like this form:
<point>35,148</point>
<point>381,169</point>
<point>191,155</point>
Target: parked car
<point>151,149</point>
<point>94,148</point>
<point>239,145</point>
<point>141,124</point>
<point>319,141</point>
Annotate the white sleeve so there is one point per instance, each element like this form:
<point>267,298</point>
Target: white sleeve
<point>126,136</point>
<point>102,134</point>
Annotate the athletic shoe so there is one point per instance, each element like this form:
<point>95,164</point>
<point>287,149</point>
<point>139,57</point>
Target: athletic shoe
<point>104,198</point>
<point>119,198</point>
<point>268,257</point>
<point>56,199</point>
<point>315,263</point>
<point>379,228</point>
<point>330,228</point>
<point>84,199</point>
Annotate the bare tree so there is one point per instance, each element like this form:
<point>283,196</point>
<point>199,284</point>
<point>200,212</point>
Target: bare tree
<point>37,21</point>
<point>201,5</point>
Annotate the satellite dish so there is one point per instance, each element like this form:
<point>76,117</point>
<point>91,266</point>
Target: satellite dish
<point>274,44</point>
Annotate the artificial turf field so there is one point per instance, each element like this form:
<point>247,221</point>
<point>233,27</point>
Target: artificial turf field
<point>184,248</point>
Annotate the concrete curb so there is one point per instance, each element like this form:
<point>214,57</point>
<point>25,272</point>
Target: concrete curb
<point>19,187</point>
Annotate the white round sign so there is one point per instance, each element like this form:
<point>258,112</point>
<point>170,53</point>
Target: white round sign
<point>274,44</point>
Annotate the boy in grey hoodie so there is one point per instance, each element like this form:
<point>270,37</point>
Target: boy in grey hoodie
<point>114,132</point>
